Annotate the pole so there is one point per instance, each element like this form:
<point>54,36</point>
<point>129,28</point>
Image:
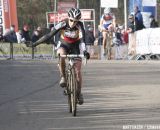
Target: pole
<point>55,5</point>
<point>125,13</point>
<point>77,3</point>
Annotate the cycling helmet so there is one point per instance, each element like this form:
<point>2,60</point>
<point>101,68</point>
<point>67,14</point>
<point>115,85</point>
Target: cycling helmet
<point>107,10</point>
<point>74,13</point>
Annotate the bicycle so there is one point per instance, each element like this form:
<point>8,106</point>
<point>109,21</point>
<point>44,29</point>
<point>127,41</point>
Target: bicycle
<point>109,44</point>
<point>71,89</point>
<point>106,50</point>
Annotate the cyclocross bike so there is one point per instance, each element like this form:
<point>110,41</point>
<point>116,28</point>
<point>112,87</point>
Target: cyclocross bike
<point>107,50</point>
<point>71,89</point>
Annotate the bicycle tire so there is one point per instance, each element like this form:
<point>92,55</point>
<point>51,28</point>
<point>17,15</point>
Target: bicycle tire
<point>108,43</point>
<point>69,90</point>
<point>73,92</point>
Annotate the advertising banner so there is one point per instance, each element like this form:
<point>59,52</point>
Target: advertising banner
<point>149,2</point>
<point>148,41</point>
<point>8,14</point>
<point>4,50</point>
<point>109,3</point>
<point>56,17</point>
<point>65,6</point>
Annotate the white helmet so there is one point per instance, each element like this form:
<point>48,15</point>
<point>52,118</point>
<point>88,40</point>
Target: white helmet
<point>107,10</point>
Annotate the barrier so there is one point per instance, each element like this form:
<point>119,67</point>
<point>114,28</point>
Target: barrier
<point>21,51</point>
<point>147,44</point>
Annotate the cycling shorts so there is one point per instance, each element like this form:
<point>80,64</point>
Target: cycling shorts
<point>71,48</point>
<point>105,26</point>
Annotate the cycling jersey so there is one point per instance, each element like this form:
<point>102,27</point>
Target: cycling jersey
<point>107,20</point>
<point>67,35</point>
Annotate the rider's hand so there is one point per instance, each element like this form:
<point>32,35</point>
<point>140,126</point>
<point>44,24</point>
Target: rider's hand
<point>110,27</point>
<point>86,54</point>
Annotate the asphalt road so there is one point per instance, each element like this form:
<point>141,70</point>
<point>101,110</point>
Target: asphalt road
<point>119,95</point>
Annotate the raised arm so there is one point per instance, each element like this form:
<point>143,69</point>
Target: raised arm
<point>51,34</point>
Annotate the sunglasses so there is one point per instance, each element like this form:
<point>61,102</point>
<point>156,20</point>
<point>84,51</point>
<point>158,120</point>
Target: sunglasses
<point>73,21</point>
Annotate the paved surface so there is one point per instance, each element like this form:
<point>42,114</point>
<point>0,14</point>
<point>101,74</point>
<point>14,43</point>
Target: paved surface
<point>118,95</point>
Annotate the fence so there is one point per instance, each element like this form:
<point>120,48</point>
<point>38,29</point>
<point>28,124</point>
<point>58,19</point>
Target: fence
<point>146,45</point>
<point>21,51</point>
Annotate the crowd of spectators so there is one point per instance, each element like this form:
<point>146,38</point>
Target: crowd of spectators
<point>23,35</point>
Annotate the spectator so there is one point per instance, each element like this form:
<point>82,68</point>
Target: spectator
<point>100,38</point>
<point>138,19</point>
<point>36,34</point>
<point>25,33</point>
<point>19,37</point>
<point>10,35</point>
<point>89,39</point>
<point>153,22</point>
<point>117,41</point>
<point>131,27</point>
<point>131,30</point>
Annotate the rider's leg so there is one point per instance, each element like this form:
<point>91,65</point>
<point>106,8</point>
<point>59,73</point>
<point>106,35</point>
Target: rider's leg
<point>104,34</point>
<point>79,79</point>
<point>62,51</point>
<point>109,43</point>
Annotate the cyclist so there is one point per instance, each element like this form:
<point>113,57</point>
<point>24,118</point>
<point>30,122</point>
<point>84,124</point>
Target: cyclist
<point>72,41</point>
<point>107,24</point>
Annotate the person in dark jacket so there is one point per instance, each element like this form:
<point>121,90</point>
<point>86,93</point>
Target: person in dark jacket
<point>153,22</point>
<point>131,26</point>
<point>36,34</point>
<point>89,39</point>
<point>25,33</point>
<point>89,36</point>
<point>10,35</point>
<point>138,19</point>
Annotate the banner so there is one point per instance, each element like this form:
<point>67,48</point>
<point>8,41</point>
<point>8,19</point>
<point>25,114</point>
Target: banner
<point>4,50</point>
<point>148,41</point>
<point>109,3</point>
<point>149,2</point>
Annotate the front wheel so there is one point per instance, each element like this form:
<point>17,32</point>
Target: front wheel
<point>68,77</point>
<point>74,93</point>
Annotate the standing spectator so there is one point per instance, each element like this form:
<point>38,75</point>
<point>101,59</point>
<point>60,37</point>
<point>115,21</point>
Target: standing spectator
<point>130,30</point>
<point>36,34</point>
<point>131,26</point>
<point>25,33</point>
<point>10,35</point>
<point>89,39</point>
<point>118,42</point>
<point>138,19</point>
<point>19,37</point>
<point>153,22</point>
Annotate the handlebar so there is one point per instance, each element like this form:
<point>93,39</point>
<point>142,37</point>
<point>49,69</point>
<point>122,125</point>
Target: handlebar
<point>73,55</point>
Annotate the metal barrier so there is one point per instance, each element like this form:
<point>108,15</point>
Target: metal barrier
<point>21,51</point>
